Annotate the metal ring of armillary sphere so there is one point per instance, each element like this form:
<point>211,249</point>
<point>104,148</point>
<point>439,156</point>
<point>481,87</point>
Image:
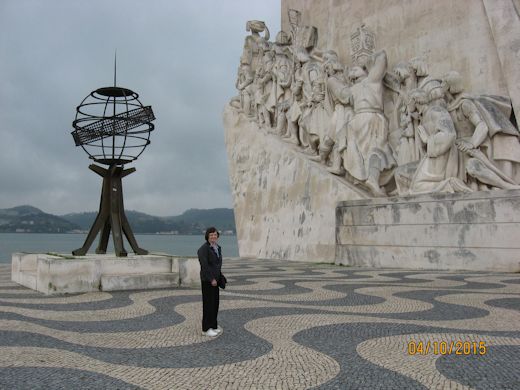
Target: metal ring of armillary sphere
<point>113,127</point>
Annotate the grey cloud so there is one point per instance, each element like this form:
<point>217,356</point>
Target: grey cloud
<point>180,56</point>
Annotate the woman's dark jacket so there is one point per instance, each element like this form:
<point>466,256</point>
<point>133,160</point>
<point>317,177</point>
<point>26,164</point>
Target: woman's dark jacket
<point>210,262</point>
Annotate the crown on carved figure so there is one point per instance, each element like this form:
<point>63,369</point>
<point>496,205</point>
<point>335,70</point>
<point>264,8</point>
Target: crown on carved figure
<point>363,44</point>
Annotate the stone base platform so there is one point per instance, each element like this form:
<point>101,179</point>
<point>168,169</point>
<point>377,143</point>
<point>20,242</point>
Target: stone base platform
<point>478,231</point>
<point>63,273</point>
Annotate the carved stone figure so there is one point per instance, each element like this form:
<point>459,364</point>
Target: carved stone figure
<point>245,87</point>
<point>263,82</point>
<point>488,142</point>
<point>338,99</point>
<point>294,113</point>
<point>420,70</point>
<point>255,44</point>
<point>437,170</point>
<point>314,117</point>
<point>368,151</point>
<point>281,96</point>
<point>409,148</point>
<point>434,90</point>
<point>408,75</point>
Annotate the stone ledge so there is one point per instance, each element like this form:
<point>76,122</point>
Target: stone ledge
<point>476,231</point>
<point>433,197</point>
<point>58,274</point>
<point>120,282</point>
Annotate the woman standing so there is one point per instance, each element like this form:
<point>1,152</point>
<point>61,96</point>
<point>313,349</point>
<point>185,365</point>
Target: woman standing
<point>210,259</point>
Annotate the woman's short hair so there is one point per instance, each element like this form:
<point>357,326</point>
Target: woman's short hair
<point>211,230</point>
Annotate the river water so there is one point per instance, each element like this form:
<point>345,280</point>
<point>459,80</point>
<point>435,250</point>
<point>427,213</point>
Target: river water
<point>64,243</point>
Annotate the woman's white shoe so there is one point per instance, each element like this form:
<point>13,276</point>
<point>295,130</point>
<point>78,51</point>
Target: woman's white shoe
<point>211,333</point>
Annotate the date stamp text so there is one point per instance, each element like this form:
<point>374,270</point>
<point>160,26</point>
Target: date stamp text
<point>458,347</point>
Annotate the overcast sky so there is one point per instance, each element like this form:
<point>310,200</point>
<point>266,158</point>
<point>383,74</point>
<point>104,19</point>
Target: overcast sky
<point>180,56</point>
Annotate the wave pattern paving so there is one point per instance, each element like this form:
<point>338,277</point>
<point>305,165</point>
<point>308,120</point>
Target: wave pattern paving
<point>286,326</point>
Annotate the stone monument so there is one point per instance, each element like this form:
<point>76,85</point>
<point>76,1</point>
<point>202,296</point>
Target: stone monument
<point>406,111</point>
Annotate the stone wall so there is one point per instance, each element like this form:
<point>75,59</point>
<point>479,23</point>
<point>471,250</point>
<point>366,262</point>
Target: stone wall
<point>477,231</point>
<point>284,203</point>
<point>479,39</point>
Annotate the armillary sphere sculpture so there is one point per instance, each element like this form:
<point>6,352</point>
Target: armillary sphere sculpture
<point>113,127</point>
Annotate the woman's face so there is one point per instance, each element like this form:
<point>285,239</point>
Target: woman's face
<point>213,237</point>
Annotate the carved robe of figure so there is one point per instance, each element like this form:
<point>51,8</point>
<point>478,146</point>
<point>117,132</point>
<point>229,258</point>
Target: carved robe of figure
<point>338,103</point>
<point>295,111</point>
<point>263,86</point>
<point>437,170</point>
<point>409,149</point>
<point>368,151</point>
<point>308,92</point>
<point>245,87</point>
<point>280,99</point>
<point>407,76</point>
<point>488,142</point>
<point>255,44</point>
<point>315,119</point>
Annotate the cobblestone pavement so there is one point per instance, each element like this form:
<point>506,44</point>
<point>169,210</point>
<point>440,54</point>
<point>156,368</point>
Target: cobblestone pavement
<point>286,326</point>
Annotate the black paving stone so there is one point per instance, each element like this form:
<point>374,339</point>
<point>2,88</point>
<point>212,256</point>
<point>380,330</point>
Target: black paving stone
<point>497,369</point>
<point>57,379</point>
<point>505,303</point>
<point>164,315</point>
<point>288,288</point>
<point>441,311</point>
<point>511,281</point>
<point>404,277</point>
<point>117,300</point>
<point>471,285</point>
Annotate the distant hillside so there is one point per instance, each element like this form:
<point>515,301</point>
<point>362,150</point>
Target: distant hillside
<point>140,222</point>
<point>192,221</point>
<point>222,219</point>
<point>29,219</point>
